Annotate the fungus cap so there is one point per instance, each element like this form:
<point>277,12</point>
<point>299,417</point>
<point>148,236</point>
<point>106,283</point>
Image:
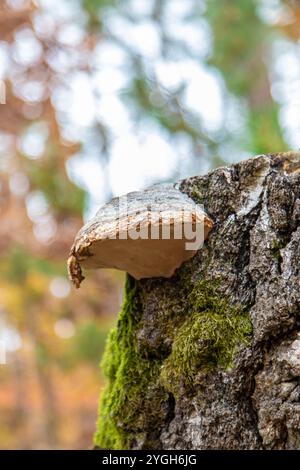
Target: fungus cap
<point>148,234</point>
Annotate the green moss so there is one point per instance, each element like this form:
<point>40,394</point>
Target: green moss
<point>207,339</point>
<point>275,250</point>
<point>205,336</point>
<point>133,399</point>
<point>197,195</point>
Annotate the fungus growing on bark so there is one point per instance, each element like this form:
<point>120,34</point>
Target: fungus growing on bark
<point>148,234</point>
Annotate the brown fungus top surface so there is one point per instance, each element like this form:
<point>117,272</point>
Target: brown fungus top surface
<point>146,233</point>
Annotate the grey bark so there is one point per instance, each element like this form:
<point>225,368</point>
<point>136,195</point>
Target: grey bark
<point>254,251</point>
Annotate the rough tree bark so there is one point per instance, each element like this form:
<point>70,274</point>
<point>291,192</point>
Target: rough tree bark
<point>210,358</point>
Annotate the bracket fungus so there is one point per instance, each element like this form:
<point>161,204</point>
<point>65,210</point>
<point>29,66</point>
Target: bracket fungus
<point>148,234</point>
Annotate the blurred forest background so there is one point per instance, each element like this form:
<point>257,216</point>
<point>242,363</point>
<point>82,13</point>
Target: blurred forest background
<point>100,97</point>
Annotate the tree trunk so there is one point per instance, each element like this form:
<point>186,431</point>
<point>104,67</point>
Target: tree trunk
<point>210,358</point>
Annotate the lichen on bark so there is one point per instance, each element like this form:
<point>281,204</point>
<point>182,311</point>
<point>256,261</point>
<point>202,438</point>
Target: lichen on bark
<point>210,357</point>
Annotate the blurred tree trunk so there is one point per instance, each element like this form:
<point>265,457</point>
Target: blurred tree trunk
<point>211,357</point>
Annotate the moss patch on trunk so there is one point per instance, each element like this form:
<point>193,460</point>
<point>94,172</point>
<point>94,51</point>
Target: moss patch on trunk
<point>134,405</point>
<point>207,339</point>
<point>133,398</point>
